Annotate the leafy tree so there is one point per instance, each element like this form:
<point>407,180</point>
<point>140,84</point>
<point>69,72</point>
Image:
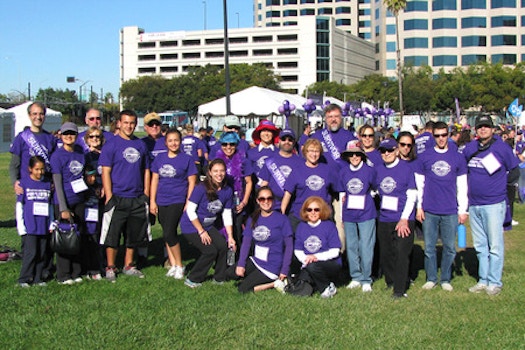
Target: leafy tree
<point>142,94</point>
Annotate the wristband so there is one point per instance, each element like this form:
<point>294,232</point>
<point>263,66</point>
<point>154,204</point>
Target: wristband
<point>200,233</point>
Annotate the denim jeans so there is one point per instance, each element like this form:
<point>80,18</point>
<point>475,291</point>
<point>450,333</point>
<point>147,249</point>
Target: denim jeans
<point>435,226</point>
<point>486,223</point>
<point>360,241</point>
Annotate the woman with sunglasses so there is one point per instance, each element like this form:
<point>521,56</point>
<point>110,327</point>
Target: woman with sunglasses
<point>208,210</point>
<point>357,180</point>
<point>94,140</point>
<point>239,172</point>
<point>368,143</point>
<point>173,178</point>
<point>270,233</point>
<point>396,185</point>
<point>406,141</point>
<point>317,247</point>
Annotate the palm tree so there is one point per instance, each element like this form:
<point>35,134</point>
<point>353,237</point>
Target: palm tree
<point>395,6</point>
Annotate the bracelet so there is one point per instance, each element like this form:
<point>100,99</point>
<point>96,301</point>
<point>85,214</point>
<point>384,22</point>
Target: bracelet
<point>200,233</point>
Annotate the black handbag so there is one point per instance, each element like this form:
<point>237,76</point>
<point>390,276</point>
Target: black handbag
<point>65,238</point>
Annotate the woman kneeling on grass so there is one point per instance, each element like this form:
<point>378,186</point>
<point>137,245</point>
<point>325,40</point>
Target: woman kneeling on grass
<point>317,247</point>
<point>272,237</point>
<point>209,209</point>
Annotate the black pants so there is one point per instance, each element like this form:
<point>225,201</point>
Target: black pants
<point>395,254</point>
<point>69,266</point>
<point>90,254</point>
<point>320,273</point>
<point>252,277</point>
<point>212,253</point>
<point>33,258</point>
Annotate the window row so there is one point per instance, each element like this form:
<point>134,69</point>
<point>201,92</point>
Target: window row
<point>467,22</point>
<point>443,5</point>
<point>219,41</point>
<point>452,60</point>
<point>466,41</point>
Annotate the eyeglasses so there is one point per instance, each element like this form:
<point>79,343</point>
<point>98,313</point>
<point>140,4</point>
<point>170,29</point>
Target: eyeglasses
<point>287,138</point>
<point>265,199</point>
<point>316,210</point>
<point>367,135</point>
<point>384,150</point>
<point>441,135</point>
<point>152,124</point>
<point>94,136</point>
<point>313,151</point>
<point>231,144</point>
<point>69,133</point>
<point>402,144</point>
<point>93,118</point>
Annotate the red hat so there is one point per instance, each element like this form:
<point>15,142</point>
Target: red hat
<point>265,125</point>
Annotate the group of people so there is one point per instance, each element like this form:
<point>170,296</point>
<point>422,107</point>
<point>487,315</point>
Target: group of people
<point>284,206</point>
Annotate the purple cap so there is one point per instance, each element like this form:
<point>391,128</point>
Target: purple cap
<point>388,144</point>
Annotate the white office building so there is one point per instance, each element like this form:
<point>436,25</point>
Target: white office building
<point>314,49</point>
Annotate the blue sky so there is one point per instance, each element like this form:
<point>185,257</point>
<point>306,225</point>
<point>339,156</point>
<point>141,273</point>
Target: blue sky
<point>45,41</point>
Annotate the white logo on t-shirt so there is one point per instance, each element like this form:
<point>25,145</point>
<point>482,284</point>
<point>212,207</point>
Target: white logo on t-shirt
<point>441,168</point>
<point>313,244</point>
<point>131,155</point>
<point>261,233</point>
<point>167,170</point>
<point>388,184</point>
<point>354,186</point>
<point>75,167</point>
<point>314,182</point>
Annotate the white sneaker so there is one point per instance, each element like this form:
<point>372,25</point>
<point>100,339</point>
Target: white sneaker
<point>279,285</point>
<point>329,291</point>
<point>429,285</point>
<point>367,288</point>
<point>447,286</point>
<point>515,223</point>
<point>478,288</point>
<point>179,272</point>
<point>353,285</point>
<point>171,271</point>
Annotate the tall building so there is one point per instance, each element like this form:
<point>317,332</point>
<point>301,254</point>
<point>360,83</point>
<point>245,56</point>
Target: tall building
<point>313,50</point>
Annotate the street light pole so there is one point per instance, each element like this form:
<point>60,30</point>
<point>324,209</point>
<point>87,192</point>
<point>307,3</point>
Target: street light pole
<point>226,58</point>
<point>204,2</point>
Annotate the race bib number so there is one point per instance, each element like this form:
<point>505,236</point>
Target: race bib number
<point>389,203</point>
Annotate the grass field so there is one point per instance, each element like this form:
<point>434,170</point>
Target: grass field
<point>160,313</point>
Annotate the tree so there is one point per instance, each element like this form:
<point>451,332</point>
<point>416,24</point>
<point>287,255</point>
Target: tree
<point>142,94</point>
<point>395,6</point>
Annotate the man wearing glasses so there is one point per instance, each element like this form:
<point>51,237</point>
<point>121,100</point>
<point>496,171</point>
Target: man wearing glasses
<point>93,119</point>
<point>154,140</point>
<point>231,123</point>
<point>442,170</point>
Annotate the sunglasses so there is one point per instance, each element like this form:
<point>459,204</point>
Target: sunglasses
<point>66,133</point>
<point>402,144</point>
<point>384,150</point>
<point>231,144</point>
<point>367,135</point>
<point>287,138</point>
<point>441,135</point>
<point>265,199</point>
<point>94,118</point>
<point>94,136</point>
<point>316,210</point>
<point>151,124</point>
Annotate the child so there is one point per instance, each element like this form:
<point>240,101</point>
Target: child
<point>33,212</point>
<point>90,249</point>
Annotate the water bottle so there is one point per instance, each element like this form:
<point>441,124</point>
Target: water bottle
<point>462,236</point>
<point>236,199</point>
<point>230,257</point>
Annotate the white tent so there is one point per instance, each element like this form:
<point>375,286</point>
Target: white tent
<point>53,118</point>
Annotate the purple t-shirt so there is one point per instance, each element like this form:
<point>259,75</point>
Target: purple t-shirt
<point>334,143</point>
<point>276,170</point>
<point>392,185</point>
<point>424,141</point>
<point>357,184</point>
<point>373,158</point>
<point>45,142</point>
<point>190,145</point>
<point>307,182</point>
<point>257,155</point>
<point>128,159</point>
<point>441,171</point>
<point>269,236</point>
<point>319,239</point>
<point>155,147</point>
<point>71,166</point>
<point>487,172</point>
<point>173,177</point>
<point>208,213</point>
<point>36,201</point>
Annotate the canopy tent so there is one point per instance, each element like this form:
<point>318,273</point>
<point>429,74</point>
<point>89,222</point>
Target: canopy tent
<point>53,118</point>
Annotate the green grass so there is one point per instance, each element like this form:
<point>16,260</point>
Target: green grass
<point>161,313</point>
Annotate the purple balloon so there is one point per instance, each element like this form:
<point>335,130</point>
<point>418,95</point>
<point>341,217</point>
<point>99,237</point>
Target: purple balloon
<point>345,113</point>
<point>310,101</point>
<point>286,103</point>
<point>281,109</point>
<point>357,114</point>
<point>292,107</point>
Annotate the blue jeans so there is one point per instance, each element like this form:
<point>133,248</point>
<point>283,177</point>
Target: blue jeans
<point>435,226</point>
<point>486,223</point>
<point>360,241</point>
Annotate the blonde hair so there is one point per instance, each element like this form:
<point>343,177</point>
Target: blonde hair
<point>312,143</point>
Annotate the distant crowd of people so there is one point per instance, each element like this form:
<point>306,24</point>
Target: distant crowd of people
<point>284,209</point>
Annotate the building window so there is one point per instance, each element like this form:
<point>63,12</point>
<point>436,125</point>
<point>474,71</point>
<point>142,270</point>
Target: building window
<point>474,40</point>
<point>497,4</point>
<point>307,1</point>
<point>307,12</point>
<point>364,24</point>
<point>290,23</point>
<point>146,45</point>
<point>340,10</point>
<point>287,65</point>
<point>473,4</point>
<point>391,64</point>
<point>377,47</point>
<point>289,2</point>
<point>416,43</point>
<point>190,55</point>
<point>240,40</point>
<point>169,43</point>
<point>416,61</point>
<point>444,60</point>
<point>503,40</point>
<point>270,14</point>
<point>323,64</point>
<point>323,37</point>
<point>390,46</point>
<point>146,57</point>
<point>214,41</point>
<point>287,51</point>
<point>263,52</point>
<point>523,40</point>
<point>342,22</point>
<point>323,76</point>
<point>323,51</point>
<point>439,5</point>
<point>503,21</point>
<point>289,13</point>
<point>322,24</point>
<point>415,24</point>
<point>262,39</point>
<point>146,70</point>
<point>273,24</point>
<point>417,6</point>
<point>169,56</point>
<point>474,22</point>
<point>504,58</point>
<point>391,29</point>
<point>376,13</point>
<point>523,20</point>
<point>322,1</point>
<point>325,11</point>
<point>377,30</point>
<point>171,69</point>
<point>445,41</point>
<point>366,36</point>
<point>214,54</point>
<point>193,42</point>
<point>273,2</point>
<point>287,37</point>
<point>377,65</point>
<point>444,23</point>
<point>287,78</point>
<point>239,53</point>
<point>472,59</point>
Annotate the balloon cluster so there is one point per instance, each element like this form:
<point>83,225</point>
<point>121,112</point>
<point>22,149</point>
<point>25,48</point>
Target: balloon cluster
<point>287,108</point>
<point>309,106</point>
<point>347,108</point>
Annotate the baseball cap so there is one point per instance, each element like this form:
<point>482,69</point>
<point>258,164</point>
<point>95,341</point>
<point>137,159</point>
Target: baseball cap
<point>151,117</point>
<point>232,121</point>
<point>484,120</point>
<point>68,126</point>
<point>388,144</point>
<point>287,132</point>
